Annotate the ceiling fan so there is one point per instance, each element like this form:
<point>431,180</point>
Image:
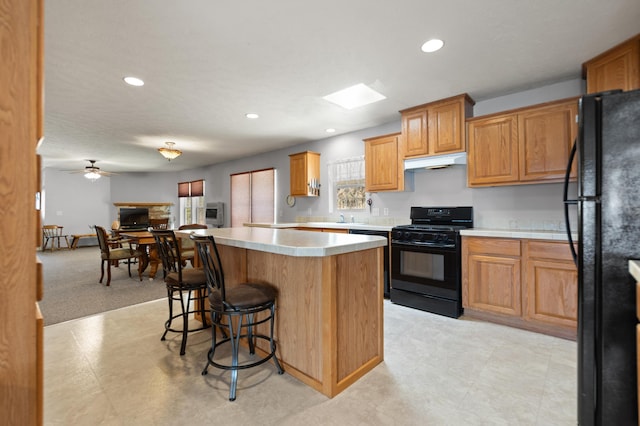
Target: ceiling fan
<point>93,172</point>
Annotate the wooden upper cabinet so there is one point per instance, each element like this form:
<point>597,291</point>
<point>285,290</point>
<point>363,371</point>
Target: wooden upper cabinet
<point>436,128</point>
<point>414,132</point>
<point>493,150</point>
<point>304,169</point>
<point>546,135</point>
<point>527,145</point>
<point>384,169</point>
<point>617,68</point>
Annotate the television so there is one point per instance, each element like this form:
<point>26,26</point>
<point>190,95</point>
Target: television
<point>134,218</point>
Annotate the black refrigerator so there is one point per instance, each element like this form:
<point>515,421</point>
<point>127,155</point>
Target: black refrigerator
<point>608,221</point>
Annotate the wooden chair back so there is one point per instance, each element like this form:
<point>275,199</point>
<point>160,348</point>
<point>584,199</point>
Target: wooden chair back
<point>159,223</point>
<point>52,231</point>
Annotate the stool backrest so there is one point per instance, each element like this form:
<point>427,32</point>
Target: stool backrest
<point>168,251</point>
<point>211,263</point>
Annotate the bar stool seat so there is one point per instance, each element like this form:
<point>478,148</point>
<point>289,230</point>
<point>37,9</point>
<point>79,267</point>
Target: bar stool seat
<point>236,311</point>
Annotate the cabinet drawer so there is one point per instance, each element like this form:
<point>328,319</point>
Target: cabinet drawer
<point>549,250</point>
<point>503,246</point>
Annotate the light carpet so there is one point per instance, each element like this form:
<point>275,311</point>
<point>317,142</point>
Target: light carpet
<point>72,290</point>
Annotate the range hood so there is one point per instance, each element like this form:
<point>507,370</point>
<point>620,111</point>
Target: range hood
<point>435,162</point>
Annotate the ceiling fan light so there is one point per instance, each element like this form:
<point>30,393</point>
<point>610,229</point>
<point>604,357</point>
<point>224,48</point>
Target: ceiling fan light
<point>169,152</point>
<point>92,176</point>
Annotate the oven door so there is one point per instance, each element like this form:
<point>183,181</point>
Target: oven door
<point>427,270</point>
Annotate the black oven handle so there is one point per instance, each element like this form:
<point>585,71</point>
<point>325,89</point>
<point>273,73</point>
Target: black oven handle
<point>422,247</point>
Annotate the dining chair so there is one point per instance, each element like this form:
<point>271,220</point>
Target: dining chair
<point>159,223</point>
<point>111,252</point>
<point>54,234</point>
<point>236,311</point>
<point>184,285</point>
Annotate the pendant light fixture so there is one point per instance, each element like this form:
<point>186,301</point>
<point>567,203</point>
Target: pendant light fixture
<point>169,152</point>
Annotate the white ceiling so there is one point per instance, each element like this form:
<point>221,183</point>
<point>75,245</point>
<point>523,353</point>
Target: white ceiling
<point>206,63</point>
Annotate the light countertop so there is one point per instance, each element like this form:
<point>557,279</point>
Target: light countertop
<point>517,233</point>
<point>324,225</point>
<point>290,242</point>
<point>634,269</point>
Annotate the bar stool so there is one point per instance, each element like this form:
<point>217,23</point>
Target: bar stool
<point>236,312</point>
<point>184,285</point>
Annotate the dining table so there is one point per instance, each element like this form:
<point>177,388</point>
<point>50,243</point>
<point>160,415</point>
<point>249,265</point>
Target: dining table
<point>146,243</point>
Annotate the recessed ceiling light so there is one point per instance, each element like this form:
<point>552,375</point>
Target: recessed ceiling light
<point>133,81</point>
<point>251,115</point>
<point>432,45</point>
<point>354,96</point>
<point>330,130</point>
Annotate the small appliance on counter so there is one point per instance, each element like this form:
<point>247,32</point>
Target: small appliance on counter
<point>426,260</point>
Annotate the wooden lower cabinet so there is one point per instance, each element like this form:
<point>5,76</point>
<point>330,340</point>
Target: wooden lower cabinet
<point>492,276</point>
<point>552,284</point>
<point>530,284</point>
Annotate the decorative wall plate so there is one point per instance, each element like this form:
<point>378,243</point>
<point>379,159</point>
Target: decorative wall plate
<point>291,200</point>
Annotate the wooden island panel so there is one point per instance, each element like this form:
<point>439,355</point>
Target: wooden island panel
<point>329,328</point>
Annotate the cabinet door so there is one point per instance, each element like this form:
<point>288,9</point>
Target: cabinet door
<point>298,175</point>
<point>493,151</point>
<point>382,164</point>
<point>546,136</point>
<point>618,68</point>
<point>491,275</point>
<point>303,167</point>
<point>414,132</point>
<point>552,293</point>
<point>551,284</point>
<point>494,284</point>
<point>445,123</point>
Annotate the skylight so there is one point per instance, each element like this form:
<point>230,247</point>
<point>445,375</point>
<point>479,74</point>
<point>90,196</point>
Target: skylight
<point>354,96</point>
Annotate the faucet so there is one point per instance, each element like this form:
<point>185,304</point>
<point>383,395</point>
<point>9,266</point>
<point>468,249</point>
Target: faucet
<point>353,219</point>
<point>341,218</point>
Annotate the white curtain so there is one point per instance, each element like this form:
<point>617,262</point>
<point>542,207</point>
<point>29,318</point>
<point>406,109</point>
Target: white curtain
<point>346,184</point>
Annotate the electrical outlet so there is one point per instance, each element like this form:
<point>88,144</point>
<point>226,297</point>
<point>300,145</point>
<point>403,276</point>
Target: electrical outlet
<point>375,211</point>
<point>385,211</point>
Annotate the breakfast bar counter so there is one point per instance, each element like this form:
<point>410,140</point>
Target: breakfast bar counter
<point>329,318</point>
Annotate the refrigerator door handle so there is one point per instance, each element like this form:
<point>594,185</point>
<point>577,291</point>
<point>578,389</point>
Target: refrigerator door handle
<point>568,202</point>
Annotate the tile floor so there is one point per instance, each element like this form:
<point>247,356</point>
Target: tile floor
<point>112,369</point>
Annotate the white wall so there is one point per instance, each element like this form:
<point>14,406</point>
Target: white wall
<point>74,202</point>
<point>524,206</point>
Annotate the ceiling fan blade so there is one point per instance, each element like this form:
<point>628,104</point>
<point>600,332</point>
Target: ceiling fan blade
<point>92,168</point>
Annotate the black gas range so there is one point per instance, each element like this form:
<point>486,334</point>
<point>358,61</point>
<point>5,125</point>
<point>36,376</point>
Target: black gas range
<point>426,259</point>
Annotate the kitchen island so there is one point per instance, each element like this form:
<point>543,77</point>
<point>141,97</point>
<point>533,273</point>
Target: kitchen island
<point>329,320</point>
